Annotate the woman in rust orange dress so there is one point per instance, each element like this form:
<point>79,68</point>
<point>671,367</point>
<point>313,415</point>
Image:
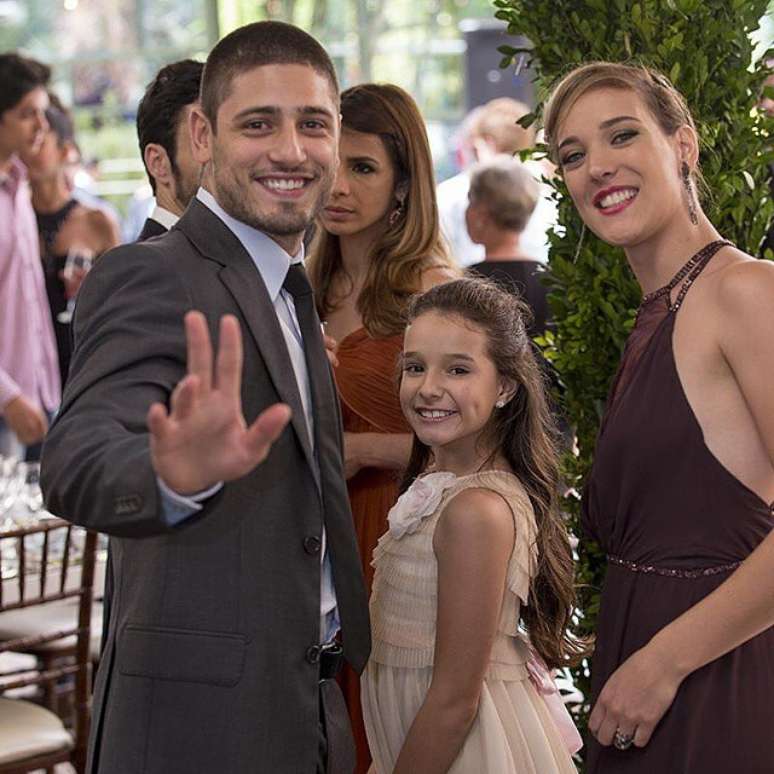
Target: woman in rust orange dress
<point>379,242</point>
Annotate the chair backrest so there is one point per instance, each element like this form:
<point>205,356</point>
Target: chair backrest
<point>38,565</point>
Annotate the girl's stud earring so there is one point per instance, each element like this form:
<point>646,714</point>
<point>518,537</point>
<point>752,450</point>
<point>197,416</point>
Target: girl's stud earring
<point>500,403</point>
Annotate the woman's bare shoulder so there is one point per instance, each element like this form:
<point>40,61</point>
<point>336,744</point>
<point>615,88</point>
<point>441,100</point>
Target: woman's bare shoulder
<point>742,281</point>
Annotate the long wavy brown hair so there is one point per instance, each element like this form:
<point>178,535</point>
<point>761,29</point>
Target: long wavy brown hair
<point>525,434</point>
<point>405,248</point>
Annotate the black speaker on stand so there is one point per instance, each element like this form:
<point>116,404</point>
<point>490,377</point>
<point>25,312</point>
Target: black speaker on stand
<point>484,79</point>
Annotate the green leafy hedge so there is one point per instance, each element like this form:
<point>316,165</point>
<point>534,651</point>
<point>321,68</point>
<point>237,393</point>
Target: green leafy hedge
<point>705,48</point>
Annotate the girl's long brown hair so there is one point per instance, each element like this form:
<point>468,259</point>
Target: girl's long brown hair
<point>524,433</point>
<point>410,245</point>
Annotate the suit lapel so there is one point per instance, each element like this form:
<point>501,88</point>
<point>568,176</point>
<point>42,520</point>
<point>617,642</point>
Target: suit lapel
<point>239,274</point>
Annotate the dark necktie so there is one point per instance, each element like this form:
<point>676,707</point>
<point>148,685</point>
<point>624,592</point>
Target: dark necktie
<point>297,284</point>
<point>350,595</point>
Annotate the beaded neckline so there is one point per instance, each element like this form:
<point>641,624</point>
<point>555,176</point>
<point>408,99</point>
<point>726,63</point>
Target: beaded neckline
<point>686,274</point>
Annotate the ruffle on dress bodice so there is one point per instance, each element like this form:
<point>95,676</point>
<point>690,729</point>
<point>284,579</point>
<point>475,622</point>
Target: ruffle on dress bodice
<point>404,598</point>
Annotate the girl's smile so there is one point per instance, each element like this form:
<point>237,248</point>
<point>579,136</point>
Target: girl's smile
<point>449,387</point>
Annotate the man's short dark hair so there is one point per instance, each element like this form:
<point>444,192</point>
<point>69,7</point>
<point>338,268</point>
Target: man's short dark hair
<point>175,87</point>
<point>255,45</point>
<point>19,76</point>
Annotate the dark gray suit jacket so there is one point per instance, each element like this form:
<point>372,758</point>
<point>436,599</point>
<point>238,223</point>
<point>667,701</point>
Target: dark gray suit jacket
<point>151,228</point>
<point>209,664</point>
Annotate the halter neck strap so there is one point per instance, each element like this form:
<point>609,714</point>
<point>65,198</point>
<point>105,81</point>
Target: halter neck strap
<point>687,274</point>
<point>49,223</point>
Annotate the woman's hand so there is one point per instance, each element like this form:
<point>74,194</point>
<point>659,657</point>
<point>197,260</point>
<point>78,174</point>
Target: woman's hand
<point>73,282</point>
<point>635,697</point>
<point>353,461</point>
<point>331,345</point>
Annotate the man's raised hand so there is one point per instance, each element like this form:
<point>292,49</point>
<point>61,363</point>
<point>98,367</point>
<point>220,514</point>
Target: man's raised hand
<point>203,438</point>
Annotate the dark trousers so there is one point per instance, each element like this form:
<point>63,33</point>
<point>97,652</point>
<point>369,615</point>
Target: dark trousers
<point>336,751</point>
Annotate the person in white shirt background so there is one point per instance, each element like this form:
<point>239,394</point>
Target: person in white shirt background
<point>488,131</point>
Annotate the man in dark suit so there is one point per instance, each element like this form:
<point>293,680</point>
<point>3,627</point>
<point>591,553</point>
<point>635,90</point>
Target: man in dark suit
<point>165,144</point>
<point>236,567</point>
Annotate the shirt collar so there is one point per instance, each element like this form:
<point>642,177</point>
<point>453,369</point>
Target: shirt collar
<point>269,258</point>
<point>15,174</point>
<point>164,217</point>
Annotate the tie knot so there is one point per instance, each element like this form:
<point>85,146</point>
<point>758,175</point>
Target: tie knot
<point>296,282</point>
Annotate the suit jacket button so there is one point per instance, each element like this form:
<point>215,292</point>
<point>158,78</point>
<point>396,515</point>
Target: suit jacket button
<point>312,545</point>
<point>313,654</point>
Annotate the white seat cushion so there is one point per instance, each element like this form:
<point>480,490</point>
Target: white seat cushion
<point>21,665</point>
<point>49,618</point>
<point>27,730</point>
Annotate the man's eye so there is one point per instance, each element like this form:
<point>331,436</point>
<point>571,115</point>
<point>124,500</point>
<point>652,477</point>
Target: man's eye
<point>313,125</point>
<point>256,125</point>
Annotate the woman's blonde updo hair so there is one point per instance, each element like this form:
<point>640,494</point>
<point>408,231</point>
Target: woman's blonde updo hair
<point>665,103</point>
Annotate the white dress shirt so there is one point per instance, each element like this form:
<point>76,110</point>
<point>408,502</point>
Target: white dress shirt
<point>164,217</point>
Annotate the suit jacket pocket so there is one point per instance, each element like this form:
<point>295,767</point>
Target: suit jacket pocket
<point>213,658</point>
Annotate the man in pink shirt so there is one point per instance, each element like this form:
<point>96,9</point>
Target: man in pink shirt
<point>29,378</point>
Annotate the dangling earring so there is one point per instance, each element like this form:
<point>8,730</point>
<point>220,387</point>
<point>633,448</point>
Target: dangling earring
<point>688,184</point>
<point>395,215</point>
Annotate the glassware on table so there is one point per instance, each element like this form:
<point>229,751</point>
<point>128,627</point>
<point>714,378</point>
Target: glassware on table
<point>79,261</point>
<point>11,485</point>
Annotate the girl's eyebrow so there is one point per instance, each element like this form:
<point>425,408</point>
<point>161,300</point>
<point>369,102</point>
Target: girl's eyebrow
<point>604,125</point>
<point>449,356</point>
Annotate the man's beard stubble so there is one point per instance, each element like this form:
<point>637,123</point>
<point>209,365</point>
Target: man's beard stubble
<point>185,186</point>
<point>288,221</point>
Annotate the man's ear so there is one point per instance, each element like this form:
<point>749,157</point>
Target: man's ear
<point>157,161</point>
<point>201,134</point>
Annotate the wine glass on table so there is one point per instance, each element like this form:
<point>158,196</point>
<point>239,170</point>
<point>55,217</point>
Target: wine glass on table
<point>77,265</point>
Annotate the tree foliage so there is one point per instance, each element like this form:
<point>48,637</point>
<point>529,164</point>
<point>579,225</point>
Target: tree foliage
<point>704,46</point>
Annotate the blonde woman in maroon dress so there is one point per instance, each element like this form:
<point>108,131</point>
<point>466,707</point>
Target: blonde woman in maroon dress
<point>681,492</point>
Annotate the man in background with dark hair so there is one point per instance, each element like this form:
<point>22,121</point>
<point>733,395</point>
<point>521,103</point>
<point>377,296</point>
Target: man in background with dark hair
<point>165,144</point>
<point>29,369</point>
<point>238,586</point>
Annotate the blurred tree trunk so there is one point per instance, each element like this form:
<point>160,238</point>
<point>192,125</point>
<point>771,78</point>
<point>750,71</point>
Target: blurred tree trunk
<point>320,18</point>
<point>364,16</point>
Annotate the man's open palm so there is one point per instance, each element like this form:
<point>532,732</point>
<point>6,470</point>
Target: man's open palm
<point>203,438</point>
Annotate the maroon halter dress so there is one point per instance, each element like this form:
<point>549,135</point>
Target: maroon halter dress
<point>675,523</point>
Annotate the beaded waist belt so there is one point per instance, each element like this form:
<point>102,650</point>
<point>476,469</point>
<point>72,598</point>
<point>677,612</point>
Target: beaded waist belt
<point>666,572</point>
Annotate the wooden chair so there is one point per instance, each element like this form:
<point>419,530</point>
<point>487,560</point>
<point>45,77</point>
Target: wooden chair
<point>32,736</point>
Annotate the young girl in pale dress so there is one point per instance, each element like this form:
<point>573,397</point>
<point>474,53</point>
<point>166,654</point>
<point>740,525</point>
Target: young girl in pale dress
<point>476,563</point>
